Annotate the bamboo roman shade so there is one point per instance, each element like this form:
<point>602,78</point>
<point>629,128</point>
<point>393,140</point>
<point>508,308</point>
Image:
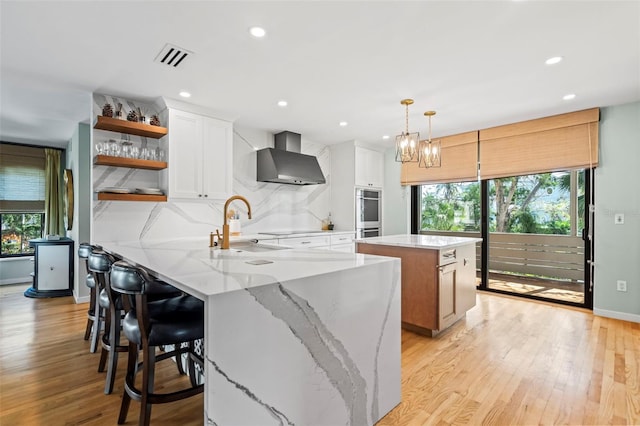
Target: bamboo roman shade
<point>22,178</point>
<point>459,162</point>
<point>561,142</point>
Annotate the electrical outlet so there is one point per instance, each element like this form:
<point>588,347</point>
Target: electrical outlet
<point>618,219</point>
<point>621,285</point>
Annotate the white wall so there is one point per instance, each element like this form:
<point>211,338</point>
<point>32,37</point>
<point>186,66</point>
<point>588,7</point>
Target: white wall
<point>396,199</point>
<point>79,160</point>
<point>617,247</point>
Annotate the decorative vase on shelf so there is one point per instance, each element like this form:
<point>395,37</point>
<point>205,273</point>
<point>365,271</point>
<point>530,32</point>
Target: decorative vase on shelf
<point>119,115</point>
<point>132,116</point>
<point>155,121</point>
<point>107,110</point>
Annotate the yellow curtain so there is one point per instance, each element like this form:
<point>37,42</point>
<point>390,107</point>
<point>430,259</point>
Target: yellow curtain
<point>53,203</point>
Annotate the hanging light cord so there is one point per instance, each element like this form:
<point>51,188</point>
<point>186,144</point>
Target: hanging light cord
<point>406,118</point>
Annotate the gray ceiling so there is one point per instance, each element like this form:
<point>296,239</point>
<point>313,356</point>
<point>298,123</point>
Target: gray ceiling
<point>477,63</point>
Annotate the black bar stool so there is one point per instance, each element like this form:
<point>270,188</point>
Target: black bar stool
<point>100,266</point>
<point>111,302</point>
<point>94,314</point>
<point>149,324</point>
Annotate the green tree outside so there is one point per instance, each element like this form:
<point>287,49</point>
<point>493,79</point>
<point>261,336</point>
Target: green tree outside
<point>17,230</point>
<point>521,204</point>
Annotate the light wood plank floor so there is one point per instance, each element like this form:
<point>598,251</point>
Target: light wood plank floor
<point>510,362</point>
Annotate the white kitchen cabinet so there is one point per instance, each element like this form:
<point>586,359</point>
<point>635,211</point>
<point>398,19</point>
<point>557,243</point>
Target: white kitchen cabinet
<point>352,166</point>
<point>306,242</point>
<point>339,242</point>
<point>343,242</point>
<point>369,168</point>
<point>200,156</point>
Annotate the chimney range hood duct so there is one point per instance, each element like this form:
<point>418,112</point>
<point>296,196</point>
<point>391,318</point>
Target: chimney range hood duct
<point>285,163</point>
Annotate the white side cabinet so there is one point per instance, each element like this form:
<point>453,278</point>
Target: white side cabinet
<point>200,156</point>
<point>53,272</point>
<point>369,168</point>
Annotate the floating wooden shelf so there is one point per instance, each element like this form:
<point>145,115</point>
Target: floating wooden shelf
<point>129,127</point>
<point>134,163</point>
<point>108,196</point>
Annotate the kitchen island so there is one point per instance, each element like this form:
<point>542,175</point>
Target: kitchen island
<point>293,336</point>
<point>438,277</point>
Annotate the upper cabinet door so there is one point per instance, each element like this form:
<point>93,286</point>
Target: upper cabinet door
<point>369,168</point>
<point>185,155</point>
<point>200,156</point>
<point>218,158</point>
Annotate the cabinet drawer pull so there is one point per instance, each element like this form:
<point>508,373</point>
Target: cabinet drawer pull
<point>305,242</point>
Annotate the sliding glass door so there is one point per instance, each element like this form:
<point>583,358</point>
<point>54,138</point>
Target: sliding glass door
<point>536,247</point>
<point>535,231</point>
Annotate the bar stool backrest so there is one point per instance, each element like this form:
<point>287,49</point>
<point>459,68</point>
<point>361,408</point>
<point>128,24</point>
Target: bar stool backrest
<point>128,279</point>
<point>84,250</point>
<point>100,261</point>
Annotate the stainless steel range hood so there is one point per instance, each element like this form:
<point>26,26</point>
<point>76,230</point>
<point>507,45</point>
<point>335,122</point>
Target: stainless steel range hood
<point>285,163</point>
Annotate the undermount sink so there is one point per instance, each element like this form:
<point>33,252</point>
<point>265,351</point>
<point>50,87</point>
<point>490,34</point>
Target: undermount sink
<point>252,247</point>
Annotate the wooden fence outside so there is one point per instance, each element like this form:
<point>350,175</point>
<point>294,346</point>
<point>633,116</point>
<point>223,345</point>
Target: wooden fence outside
<point>558,257</point>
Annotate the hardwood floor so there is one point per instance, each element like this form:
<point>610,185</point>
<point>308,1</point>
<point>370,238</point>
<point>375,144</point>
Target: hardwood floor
<point>510,362</point>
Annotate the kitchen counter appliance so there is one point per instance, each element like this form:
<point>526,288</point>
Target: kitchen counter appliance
<point>368,213</point>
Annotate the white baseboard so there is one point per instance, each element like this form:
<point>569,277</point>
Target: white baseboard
<point>617,315</point>
<point>23,280</point>
<point>83,299</point>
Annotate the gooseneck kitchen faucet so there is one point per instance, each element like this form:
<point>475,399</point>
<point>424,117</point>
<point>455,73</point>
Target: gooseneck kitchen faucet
<point>224,241</point>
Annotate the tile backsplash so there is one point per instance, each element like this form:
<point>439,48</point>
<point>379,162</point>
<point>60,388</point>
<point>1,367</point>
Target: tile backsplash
<point>274,206</point>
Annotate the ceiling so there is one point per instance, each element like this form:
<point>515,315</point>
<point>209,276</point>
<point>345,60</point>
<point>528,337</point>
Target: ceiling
<point>477,63</point>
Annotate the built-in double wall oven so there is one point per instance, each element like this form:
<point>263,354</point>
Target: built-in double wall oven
<point>368,213</point>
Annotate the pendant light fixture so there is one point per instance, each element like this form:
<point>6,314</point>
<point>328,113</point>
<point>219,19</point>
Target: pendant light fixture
<point>407,143</point>
<point>429,151</point>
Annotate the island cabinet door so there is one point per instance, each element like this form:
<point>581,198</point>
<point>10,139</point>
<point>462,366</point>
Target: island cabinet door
<point>466,278</point>
<point>448,291</point>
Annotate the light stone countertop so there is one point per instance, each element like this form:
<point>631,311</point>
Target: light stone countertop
<point>292,234</point>
<point>433,242</point>
<point>190,265</point>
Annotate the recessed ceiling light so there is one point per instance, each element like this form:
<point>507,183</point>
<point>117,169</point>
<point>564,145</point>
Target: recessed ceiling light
<point>257,32</point>
<point>569,96</point>
<point>282,103</point>
<point>343,124</point>
<point>554,60</point>
<point>385,137</point>
<point>185,94</point>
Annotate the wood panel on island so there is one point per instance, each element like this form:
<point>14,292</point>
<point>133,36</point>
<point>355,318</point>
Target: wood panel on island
<point>131,128</point>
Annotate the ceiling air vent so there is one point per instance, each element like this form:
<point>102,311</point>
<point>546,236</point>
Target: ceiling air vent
<point>172,55</point>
